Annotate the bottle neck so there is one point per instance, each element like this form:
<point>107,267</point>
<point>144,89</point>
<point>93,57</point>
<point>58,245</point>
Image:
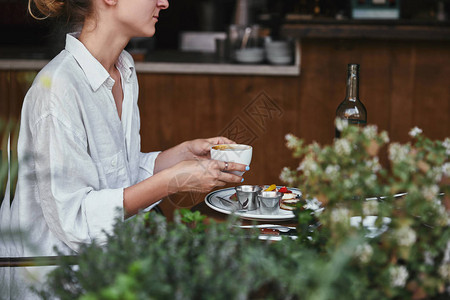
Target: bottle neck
<point>353,83</point>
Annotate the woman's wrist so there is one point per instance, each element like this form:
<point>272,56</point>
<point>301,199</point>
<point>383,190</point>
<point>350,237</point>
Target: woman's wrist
<point>172,156</point>
<point>146,192</point>
<point>186,152</point>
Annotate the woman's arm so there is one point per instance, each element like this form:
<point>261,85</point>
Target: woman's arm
<point>199,175</point>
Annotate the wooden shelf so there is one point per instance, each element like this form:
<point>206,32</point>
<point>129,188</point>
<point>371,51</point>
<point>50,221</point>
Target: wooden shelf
<point>368,29</point>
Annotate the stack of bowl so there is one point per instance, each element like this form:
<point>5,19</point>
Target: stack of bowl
<point>278,52</point>
<point>249,55</point>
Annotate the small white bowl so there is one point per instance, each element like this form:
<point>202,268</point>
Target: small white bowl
<point>277,44</point>
<point>238,153</point>
<point>279,52</point>
<point>279,60</point>
<point>249,55</point>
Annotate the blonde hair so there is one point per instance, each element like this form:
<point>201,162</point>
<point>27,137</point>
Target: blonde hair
<point>74,10</point>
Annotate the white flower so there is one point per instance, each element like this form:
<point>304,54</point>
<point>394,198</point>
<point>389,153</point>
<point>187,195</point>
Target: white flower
<point>332,171</point>
<point>398,152</point>
<point>399,275</point>
<point>370,180</point>
<point>313,204</point>
<point>340,215</point>
<point>370,207</point>
<point>291,140</point>
<point>370,131</point>
<point>308,165</point>
<point>430,192</point>
<point>374,164</point>
<point>405,236</point>
<point>342,147</point>
<point>444,271</point>
<point>436,172</point>
<point>341,124</point>
<point>286,176</point>
<point>364,252</point>
<point>348,184</point>
<point>446,169</point>
<point>446,144</point>
<point>384,137</point>
<point>428,258</point>
<point>442,216</point>
<point>415,132</point>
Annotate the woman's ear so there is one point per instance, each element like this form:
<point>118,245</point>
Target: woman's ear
<point>110,2</point>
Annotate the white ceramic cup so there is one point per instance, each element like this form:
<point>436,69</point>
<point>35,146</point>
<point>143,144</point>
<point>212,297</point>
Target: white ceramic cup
<point>238,153</point>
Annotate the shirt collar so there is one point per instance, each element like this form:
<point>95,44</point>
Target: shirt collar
<point>95,73</point>
<point>125,65</point>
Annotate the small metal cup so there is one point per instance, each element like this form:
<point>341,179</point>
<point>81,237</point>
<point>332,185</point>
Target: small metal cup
<point>269,202</point>
<point>246,195</point>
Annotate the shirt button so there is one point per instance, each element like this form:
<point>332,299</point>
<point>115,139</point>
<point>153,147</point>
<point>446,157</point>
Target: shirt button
<point>114,162</point>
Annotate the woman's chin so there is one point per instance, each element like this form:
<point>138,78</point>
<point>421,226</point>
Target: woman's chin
<point>146,33</point>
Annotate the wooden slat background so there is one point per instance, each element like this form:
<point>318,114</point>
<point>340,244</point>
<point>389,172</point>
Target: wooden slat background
<point>403,84</point>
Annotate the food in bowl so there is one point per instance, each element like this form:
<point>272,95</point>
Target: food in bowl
<point>233,147</point>
<point>222,147</point>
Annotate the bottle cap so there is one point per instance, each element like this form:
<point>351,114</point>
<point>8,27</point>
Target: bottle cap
<point>353,68</point>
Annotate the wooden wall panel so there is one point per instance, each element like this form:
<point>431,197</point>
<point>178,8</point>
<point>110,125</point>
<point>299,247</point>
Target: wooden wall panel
<point>401,103</point>
<point>431,87</point>
<point>403,84</point>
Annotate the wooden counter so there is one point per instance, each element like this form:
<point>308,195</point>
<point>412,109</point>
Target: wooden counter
<point>176,68</point>
<point>177,62</point>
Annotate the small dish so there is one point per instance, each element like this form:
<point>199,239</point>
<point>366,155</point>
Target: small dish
<point>249,55</point>
<point>269,202</point>
<point>279,60</point>
<point>213,201</point>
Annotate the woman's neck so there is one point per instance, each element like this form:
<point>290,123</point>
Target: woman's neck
<point>103,43</point>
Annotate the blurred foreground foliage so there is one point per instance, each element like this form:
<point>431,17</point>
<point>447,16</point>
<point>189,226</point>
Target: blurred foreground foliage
<point>148,258</point>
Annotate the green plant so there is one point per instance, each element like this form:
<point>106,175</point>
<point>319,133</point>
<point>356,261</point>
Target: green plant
<point>193,219</point>
<point>148,258</point>
<point>412,258</point>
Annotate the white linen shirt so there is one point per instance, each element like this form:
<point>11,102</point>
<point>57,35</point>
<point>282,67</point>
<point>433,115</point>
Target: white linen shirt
<point>75,155</point>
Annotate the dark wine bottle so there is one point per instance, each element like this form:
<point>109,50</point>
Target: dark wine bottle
<point>352,109</point>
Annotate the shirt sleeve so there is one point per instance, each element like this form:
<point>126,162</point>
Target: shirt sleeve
<point>75,208</point>
<point>147,164</point>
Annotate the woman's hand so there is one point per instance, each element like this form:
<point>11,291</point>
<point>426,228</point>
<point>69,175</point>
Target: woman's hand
<point>203,175</point>
<point>184,168</point>
<point>200,148</point>
<point>190,150</point>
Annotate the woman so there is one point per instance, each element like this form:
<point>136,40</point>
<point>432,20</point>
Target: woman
<point>79,143</point>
